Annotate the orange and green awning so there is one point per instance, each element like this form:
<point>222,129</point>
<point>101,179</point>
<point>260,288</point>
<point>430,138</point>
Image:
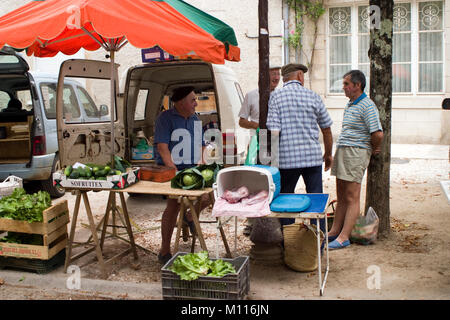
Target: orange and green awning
<point>47,27</point>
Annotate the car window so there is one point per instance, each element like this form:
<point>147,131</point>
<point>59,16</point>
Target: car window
<point>71,110</point>
<point>206,102</point>
<point>4,98</point>
<point>25,97</point>
<point>88,104</point>
<point>141,102</point>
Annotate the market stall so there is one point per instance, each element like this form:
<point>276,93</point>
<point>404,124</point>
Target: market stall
<point>254,191</point>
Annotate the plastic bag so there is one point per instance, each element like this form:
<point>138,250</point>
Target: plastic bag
<point>365,230</point>
<point>252,154</point>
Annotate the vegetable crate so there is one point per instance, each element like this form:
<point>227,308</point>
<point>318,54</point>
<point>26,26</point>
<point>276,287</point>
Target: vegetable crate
<point>38,266</point>
<point>53,230</point>
<point>121,181</point>
<point>230,287</point>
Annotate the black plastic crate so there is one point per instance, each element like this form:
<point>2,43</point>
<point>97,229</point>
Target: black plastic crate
<point>230,287</point>
<point>36,265</point>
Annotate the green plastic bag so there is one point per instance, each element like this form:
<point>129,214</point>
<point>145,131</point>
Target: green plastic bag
<point>253,148</point>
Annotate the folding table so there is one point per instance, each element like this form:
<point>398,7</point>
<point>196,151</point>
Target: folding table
<point>317,210</point>
<point>97,245</point>
<point>188,199</point>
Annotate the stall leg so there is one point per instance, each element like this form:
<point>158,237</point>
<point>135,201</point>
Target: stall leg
<point>179,224</point>
<point>94,236</point>
<point>105,220</point>
<point>128,225</point>
<point>196,223</point>
<point>72,231</point>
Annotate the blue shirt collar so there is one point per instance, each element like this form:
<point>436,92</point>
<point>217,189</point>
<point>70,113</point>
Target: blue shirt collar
<point>292,81</point>
<point>362,96</point>
<point>175,112</point>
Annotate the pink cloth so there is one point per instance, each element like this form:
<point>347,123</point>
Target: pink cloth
<point>254,206</point>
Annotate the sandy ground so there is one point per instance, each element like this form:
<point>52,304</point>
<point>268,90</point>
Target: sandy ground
<point>412,262</point>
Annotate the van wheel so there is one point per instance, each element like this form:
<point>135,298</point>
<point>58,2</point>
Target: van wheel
<point>47,185</point>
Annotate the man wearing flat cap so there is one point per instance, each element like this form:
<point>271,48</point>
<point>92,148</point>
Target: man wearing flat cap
<point>296,114</point>
<point>182,118</point>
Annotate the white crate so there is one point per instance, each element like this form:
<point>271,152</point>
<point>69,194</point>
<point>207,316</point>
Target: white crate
<point>9,184</point>
<point>113,182</point>
<point>255,178</point>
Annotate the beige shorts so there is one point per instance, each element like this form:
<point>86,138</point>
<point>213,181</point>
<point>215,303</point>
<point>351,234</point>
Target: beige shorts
<point>350,163</point>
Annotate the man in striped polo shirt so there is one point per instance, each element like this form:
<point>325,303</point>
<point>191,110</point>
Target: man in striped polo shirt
<point>296,114</point>
<point>361,137</point>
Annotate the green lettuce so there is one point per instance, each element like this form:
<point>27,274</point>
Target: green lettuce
<point>193,265</point>
<point>220,268</point>
<point>22,206</point>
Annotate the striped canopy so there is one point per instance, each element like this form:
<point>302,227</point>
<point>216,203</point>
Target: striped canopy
<point>47,27</point>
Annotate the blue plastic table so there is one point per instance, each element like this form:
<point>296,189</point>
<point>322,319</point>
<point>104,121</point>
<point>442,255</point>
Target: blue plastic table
<point>317,210</point>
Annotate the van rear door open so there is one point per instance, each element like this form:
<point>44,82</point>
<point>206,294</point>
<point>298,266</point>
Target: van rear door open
<point>88,142</point>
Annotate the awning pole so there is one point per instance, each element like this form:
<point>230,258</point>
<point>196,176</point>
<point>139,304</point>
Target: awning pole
<point>113,106</point>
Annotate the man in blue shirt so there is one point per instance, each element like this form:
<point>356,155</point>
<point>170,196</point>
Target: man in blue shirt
<point>297,114</point>
<point>361,137</point>
<point>178,144</point>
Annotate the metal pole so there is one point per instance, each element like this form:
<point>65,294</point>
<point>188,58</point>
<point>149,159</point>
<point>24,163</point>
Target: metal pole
<point>113,105</point>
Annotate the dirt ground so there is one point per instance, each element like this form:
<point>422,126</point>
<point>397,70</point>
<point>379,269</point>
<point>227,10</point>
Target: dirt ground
<point>412,262</point>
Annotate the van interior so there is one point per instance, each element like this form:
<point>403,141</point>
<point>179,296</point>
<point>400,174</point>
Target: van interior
<point>16,119</point>
<point>149,91</point>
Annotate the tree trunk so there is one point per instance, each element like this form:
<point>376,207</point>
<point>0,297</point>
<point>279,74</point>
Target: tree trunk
<point>380,55</point>
<point>264,81</point>
<point>263,48</point>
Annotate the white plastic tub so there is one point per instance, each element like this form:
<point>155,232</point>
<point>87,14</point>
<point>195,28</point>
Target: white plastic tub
<point>255,178</point>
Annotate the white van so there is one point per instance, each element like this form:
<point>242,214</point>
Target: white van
<point>146,93</point>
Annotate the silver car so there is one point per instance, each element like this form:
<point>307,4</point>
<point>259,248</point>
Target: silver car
<point>28,139</point>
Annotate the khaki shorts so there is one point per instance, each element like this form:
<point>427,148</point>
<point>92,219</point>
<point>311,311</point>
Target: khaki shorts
<point>350,163</point>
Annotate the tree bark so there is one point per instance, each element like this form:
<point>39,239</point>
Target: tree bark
<point>380,55</point>
<point>264,81</point>
<point>263,49</point>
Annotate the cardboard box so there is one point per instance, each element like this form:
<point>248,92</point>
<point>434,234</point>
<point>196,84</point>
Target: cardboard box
<point>155,54</point>
<point>112,182</point>
<point>142,155</point>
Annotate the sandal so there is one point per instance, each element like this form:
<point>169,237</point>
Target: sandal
<point>334,245</point>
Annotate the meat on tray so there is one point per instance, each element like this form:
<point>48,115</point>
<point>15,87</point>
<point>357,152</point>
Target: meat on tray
<point>255,198</point>
<point>235,195</point>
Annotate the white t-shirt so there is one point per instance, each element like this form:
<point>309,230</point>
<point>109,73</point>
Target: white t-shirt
<point>250,106</point>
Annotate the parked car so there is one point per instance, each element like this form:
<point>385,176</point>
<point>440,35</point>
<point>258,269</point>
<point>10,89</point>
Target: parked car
<point>146,92</point>
<point>28,117</point>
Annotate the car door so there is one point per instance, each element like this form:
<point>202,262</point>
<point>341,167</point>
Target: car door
<point>88,142</point>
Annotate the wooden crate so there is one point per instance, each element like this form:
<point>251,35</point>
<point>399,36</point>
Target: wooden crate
<point>53,230</point>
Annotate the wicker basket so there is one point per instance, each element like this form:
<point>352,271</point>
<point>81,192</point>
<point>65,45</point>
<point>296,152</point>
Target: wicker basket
<point>300,247</point>
<point>9,184</point>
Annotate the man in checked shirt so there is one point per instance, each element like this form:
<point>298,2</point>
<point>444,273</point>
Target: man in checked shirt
<point>296,114</point>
